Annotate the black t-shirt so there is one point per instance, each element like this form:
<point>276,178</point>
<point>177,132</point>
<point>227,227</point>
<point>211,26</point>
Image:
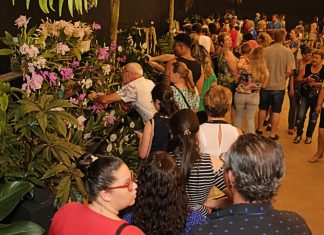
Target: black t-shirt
<point>194,66</point>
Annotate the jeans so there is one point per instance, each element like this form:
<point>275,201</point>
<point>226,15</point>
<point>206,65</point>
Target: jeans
<point>293,110</point>
<point>304,104</point>
<point>246,104</point>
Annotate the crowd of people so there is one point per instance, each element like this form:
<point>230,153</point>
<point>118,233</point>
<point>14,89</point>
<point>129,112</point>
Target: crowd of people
<point>188,148</point>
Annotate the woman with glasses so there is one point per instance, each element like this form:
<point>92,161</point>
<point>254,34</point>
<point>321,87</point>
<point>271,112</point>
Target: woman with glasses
<point>161,205</point>
<point>111,188</point>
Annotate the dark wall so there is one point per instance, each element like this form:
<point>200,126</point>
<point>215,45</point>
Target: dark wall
<point>157,11</point>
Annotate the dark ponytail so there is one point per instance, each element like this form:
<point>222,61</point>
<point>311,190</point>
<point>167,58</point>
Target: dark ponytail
<point>184,128</point>
<point>164,94</point>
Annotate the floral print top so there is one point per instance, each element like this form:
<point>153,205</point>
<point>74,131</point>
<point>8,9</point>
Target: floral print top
<point>225,77</point>
<point>193,100</point>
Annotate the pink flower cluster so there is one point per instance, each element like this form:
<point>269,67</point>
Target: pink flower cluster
<point>103,54</point>
<point>51,76</point>
<point>80,98</point>
<point>22,21</point>
<point>32,83</point>
<point>96,26</point>
<point>67,74</point>
<point>98,108</point>
<point>61,48</point>
<point>30,51</point>
<point>109,119</point>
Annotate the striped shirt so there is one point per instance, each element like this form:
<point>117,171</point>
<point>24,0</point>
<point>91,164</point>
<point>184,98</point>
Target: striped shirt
<point>201,179</point>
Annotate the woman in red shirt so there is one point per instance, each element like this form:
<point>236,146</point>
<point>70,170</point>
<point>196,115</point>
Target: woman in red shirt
<point>111,188</point>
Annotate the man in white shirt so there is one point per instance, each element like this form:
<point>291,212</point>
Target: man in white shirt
<point>135,89</point>
<point>203,40</point>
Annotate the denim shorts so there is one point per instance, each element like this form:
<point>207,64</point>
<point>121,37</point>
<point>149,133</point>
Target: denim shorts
<point>273,98</point>
<point>321,125</point>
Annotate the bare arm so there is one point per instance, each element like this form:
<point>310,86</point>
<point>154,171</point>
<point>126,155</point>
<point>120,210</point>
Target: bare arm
<point>320,100</point>
<point>212,48</point>
<point>301,74</point>
<point>145,140</point>
<point>108,99</point>
<point>230,59</point>
<point>288,72</point>
<point>167,70</point>
<point>156,66</point>
<point>200,83</point>
<point>163,58</point>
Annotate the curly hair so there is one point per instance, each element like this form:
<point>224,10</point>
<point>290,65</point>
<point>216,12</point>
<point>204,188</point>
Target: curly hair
<point>161,205</point>
<point>184,126</point>
<point>257,164</point>
<point>200,53</point>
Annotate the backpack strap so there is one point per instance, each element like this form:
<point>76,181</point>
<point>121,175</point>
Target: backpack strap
<point>121,228</point>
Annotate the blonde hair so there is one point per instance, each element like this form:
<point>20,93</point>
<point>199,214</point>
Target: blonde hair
<point>259,70</point>
<point>217,101</point>
<point>186,74</point>
<point>200,53</point>
<point>264,39</point>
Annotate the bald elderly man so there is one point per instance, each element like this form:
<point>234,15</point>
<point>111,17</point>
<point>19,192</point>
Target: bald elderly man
<point>135,89</point>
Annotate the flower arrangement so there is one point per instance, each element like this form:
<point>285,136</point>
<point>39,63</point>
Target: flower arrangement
<point>54,123</point>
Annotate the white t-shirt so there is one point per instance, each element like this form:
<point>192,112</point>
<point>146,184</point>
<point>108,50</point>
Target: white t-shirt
<point>208,138</point>
<point>139,93</point>
<point>205,41</point>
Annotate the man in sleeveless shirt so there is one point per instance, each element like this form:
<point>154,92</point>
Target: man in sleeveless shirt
<point>181,47</point>
<point>182,53</point>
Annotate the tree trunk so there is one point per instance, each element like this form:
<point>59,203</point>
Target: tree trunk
<point>171,17</point>
<point>114,17</point>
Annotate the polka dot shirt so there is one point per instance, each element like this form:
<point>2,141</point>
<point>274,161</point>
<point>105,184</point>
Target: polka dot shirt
<point>258,219</point>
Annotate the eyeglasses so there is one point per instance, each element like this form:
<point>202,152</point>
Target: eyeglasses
<point>129,184</point>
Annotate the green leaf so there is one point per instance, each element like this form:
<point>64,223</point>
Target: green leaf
<point>70,5</point>
<point>42,120</point>
<point>64,116</point>
<point>63,189</point>
<point>50,3</point>
<point>76,137</point>
<point>4,101</point>
<point>77,53</point>
<point>27,4</point>
<point>11,194</point>
<point>22,228</point>
<point>36,181</point>
<point>61,127</point>
<point>52,171</point>
<point>60,6</point>
<point>60,104</point>
<point>6,51</point>
<point>85,5</point>
<point>78,6</point>
<point>80,185</point>
<point>43,5</point>
<point>29,106</point>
